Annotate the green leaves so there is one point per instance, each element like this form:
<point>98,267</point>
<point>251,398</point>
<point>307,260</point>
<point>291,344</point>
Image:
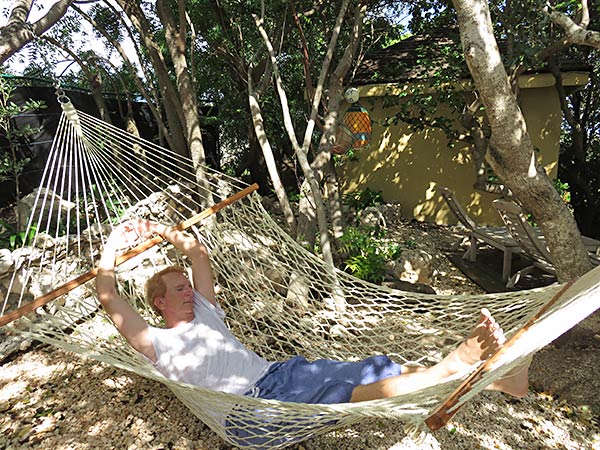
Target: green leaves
<point>11,163</point>
<point>8,167</point>
<point>366,253</point>
<point>12,159</point>
<point>11,238</point>
<point>563,190</point>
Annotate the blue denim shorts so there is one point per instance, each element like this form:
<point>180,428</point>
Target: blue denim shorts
<point>321,381</point>
<point>300,381</point>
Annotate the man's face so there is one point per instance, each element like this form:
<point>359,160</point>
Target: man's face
<point>176,304</point>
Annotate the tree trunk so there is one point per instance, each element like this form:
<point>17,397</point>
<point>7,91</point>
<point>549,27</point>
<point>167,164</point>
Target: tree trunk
<point>168,93</point>
<point>176,43</point>
<point>575,33</point>
<point>259,129</point>
<point>302,151</point>
<point>511,153</point>
<point>143,85</point>
<point>17,33</point>
<point>334,198</point>
<point>323,165</point>
<point>307,218</point>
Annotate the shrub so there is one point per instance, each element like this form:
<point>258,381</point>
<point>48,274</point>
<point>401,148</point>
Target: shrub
<point>365,254</point>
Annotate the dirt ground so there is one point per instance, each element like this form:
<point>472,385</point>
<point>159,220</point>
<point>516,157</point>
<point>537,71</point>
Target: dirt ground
<point>52,399</point>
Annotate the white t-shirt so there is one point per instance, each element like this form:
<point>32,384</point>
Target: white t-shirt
<point>205,353</point>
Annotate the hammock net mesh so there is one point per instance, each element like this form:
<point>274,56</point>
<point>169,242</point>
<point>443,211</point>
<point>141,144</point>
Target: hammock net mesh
<point>280,299</point>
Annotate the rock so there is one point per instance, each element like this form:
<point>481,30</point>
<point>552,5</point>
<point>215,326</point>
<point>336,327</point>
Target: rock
<point>298,292</point>
<point>5,406</point>
<point>24,432</point>
<point>22,254</point>
<point>338,330</point>
<point>53,206</point>
<point>14,283</point>
<point>44,241</point>
<point>269,203</point>
<point>277,279</point>
<point>414,266</point>
<point>6,260</point>
<point>392,212</point>
<point>43,282</point>
<point>371,217</point>
<point>96,231</point>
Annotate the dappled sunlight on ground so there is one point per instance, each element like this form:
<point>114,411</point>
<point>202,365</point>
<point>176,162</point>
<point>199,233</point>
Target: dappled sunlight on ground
<point>52,399</point>
<point>77,403</point>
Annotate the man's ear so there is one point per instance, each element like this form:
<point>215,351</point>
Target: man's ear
<point>159,302</point>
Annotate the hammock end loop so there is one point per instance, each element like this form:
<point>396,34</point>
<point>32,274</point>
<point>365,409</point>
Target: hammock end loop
<point>438,420</point>
<point>68,109</point>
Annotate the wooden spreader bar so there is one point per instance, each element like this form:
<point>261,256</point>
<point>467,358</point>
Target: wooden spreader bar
<point>70,285</point>
<point>442,414</point>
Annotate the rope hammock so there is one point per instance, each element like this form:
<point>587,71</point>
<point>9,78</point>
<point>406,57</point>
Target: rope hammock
<point>280,299</point>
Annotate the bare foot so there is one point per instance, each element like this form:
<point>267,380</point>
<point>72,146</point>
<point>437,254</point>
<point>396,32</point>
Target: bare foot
<point>515,382</point>
<point>486,338</point>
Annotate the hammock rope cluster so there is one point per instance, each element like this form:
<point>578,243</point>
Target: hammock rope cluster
<point>280,299</point>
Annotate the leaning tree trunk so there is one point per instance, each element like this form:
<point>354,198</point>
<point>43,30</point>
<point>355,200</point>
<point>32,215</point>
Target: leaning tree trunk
<point>168,94</point>
<point>18,32</point>
<point>175,35</point>
<point>95,82</point>
<point>322,163</point>
<point>511,153</point>
<point>302,151</point>
<point>261,135</point>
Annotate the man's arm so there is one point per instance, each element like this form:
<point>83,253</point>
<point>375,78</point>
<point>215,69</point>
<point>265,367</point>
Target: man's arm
<point>202,275</point>
<point>127,320</point>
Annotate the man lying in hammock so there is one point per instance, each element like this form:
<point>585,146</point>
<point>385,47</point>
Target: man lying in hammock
<point>196,347</point>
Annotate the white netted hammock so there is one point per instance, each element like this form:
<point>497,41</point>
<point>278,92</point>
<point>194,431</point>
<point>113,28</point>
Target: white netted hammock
<point>280,300</point>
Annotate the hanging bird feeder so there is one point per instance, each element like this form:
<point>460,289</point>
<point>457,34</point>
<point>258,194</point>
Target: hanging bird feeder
<point>358,121</point>
<point>355,129</point>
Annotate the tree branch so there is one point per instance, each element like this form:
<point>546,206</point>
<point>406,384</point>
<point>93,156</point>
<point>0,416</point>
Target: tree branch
<point>574,33</point>
<point>18,33</point>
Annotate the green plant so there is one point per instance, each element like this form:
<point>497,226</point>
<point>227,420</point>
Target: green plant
<point>11,238</point>
<point>12,163</point>
<point>366,254</point>
<point>410,243</point>
<point>293,195</point>
<point>563,190</point>
<point>363,199</point>
<point>114,202</point>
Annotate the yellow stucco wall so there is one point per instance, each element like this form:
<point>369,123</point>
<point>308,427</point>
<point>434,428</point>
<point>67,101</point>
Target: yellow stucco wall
<point>407,166</point>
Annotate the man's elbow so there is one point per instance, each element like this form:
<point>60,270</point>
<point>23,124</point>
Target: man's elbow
<point>105,293</point>
<point>199,252</point>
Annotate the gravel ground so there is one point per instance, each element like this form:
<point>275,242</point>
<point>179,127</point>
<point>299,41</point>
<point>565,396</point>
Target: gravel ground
<point>52,399</point>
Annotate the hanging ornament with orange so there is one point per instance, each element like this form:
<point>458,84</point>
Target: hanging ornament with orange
<point>355,129</point>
